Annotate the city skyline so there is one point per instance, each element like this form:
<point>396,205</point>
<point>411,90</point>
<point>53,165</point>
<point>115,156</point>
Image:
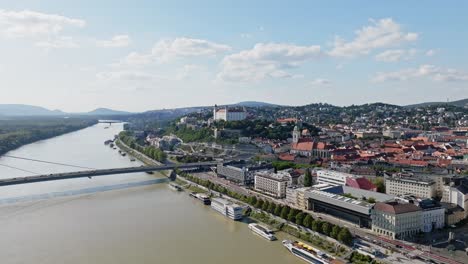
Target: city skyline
<point>81,56</point>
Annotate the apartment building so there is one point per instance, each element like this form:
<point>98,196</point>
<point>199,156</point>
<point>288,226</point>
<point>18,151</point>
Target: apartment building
<point>396,220</point>
<point>272,183</point>
<point>419,187</point>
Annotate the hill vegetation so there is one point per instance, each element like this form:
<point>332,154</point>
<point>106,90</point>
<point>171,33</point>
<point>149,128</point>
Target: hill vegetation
<point>19,132</point>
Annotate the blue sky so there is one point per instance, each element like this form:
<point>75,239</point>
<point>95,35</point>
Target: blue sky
<point>141,55</point>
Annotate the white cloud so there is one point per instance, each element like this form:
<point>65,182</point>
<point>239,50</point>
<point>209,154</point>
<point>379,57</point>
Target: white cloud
<point>321,82</point>
<point>18,24</point>
<point>117,41</point>
<point>58,43</point>
<point>430,53</point>
<point>396,55</point>
<point>429,71</point>
<point>266,60</point>
<point>125,76</point>
<point>381,34</point>
<point>168,49</point>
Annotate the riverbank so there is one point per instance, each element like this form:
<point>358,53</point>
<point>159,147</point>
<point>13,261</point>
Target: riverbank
<point>139,156</point>
<point>280,225</point>
<point>19,132</point>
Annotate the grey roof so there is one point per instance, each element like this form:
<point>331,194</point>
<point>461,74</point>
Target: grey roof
<point>341,201</point>
<point>379,197</point>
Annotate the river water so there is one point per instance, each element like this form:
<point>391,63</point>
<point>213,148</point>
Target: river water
<point>130,218</point>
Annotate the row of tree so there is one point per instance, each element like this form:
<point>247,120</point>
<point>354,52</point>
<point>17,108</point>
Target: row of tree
<point>296,216</point>
<point>304,219</point>
<point>150,151</point>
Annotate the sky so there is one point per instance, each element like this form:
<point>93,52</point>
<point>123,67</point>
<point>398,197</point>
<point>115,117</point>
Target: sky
<point>143,55</point>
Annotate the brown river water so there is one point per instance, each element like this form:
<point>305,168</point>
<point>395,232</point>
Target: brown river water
<point>130,218</point>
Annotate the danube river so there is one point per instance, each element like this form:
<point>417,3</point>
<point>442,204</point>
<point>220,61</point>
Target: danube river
<point>132,218</point>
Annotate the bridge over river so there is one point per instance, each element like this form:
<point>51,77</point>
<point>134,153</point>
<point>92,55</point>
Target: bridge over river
<point>102,172</point>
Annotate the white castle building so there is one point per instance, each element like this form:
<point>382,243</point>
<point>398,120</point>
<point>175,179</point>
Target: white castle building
<point>229,114</point>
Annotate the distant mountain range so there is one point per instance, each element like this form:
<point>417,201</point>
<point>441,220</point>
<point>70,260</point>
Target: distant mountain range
<point>255,104</point>
<point>31,110</point>
<point>459,103</point>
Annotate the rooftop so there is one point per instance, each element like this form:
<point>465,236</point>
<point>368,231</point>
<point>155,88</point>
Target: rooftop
<point>396,208</point>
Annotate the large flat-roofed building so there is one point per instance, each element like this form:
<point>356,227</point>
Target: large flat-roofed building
<point>272,183</point>
<point>229,113</point>
<point>349,209</point>
<point>297,196</point>
<point>242,173</point>
<point>396,220</point>
<point>360,193</point>
<point>417,186</point>
<point>333,177</point>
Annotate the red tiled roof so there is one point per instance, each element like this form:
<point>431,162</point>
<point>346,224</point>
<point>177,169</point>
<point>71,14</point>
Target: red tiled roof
<point>303,146</point>
<point>286,157</point>
<point>286,120</point>
<point>396,208</point>
<point>361,183</point>
<point>418,163</point>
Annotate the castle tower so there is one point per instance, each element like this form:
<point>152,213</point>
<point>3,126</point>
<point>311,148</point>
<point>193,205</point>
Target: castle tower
<point>296,134</point>
<point>214,112</point>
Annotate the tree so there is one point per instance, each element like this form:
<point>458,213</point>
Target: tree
<point>315,225</point>
<point>300,218</point>
<point>252,200</point>
<point>326,228</point>
<point>284,212</point>
<point>259,203</point>
<point>307,178</point>
<point>271,208</point>
<point>379,182</point>
<point>345,236</point>
<point>278,210</point>
<point>265,205</point>
<point>292,215</point>
<point>307,221</point>
<point>335,231</point>
<point>371,200</point>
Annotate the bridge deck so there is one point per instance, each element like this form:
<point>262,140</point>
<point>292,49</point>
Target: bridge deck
<point>100,172</point>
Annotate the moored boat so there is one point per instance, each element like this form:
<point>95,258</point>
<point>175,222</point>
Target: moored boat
<point>262,231</point>
<point>175,187</point>
<point>204,198</point>
<point>308,253</point>
<point>227,208</point>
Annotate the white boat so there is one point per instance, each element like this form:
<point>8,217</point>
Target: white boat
<point>307,253</point>
<point>204,198</point>
<point>175,187</point>
<point>227,208</point>
<point>262,231</point>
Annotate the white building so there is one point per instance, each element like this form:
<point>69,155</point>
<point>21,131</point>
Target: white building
<point>272,183</point>
<point>419,187</point>
<point>333,177</point>
<point>229,114</point>
<point>457,194</point>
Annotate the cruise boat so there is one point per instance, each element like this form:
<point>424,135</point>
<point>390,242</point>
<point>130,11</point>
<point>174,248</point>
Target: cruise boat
<point>204,198</point>
<point>227,208</point>
<point>307,253</point>
<point>175,187</point>
<point>262,231</point>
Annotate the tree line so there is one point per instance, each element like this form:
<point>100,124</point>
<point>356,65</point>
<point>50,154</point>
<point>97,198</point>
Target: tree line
<point>293,215</point>
<point>150,151</point>
<point>16,133</point>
